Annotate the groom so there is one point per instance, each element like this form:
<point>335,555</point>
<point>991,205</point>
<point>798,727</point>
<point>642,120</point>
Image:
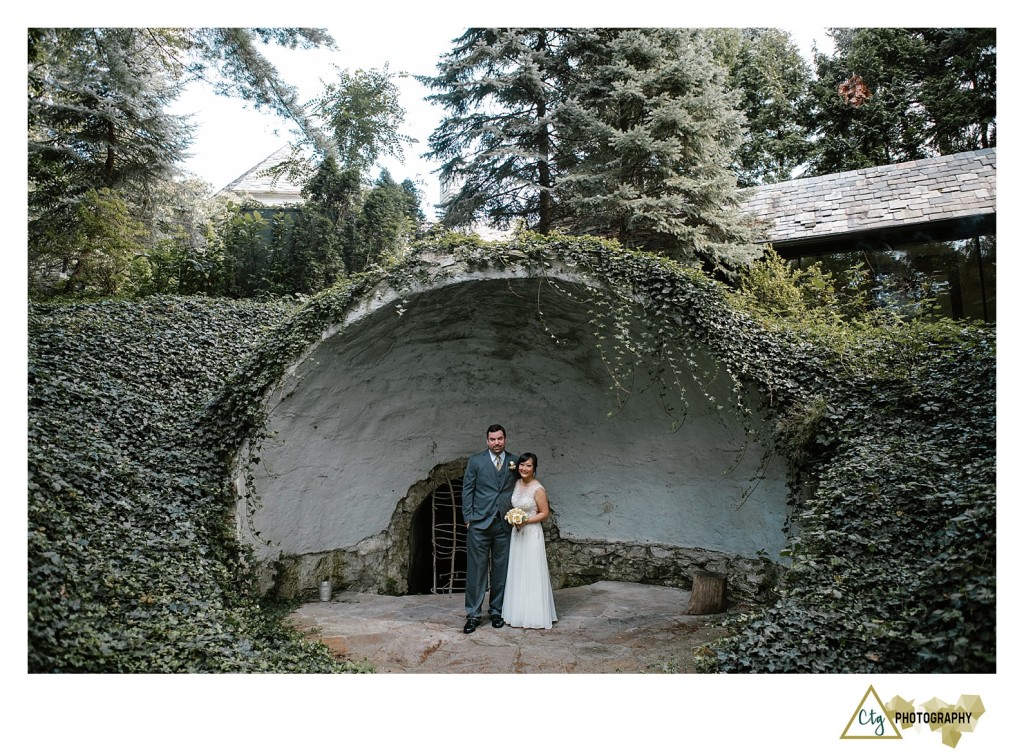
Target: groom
<point>486,497</point>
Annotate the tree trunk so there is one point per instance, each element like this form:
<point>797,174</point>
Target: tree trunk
<point>708,594</point>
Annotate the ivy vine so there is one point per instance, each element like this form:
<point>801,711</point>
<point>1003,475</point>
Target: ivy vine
<point>139,413</point>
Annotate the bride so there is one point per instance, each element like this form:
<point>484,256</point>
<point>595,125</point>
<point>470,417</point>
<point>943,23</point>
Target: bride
<point>529,602</point>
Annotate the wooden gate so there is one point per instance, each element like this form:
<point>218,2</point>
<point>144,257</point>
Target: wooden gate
<point>448,537</point>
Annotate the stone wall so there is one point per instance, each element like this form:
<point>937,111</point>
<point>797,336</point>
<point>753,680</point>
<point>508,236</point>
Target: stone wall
<point>376,566</point>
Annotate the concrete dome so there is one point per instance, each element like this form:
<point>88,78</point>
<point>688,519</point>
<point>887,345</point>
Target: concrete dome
<point>392,400</point>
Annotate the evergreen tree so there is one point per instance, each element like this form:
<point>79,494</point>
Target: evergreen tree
<point>772,78</point>
<point>647,143</point>
<point>923,92</point>
<point>413,204</point>
<point>890,125</point>
<point>332,234</point>
<point>959,89</point>
<point>96,120</point>
<point>97,117</point>
<point>498,145</point>
<point>306,252</point>
<point>326,227</point>
<point>385,224</point>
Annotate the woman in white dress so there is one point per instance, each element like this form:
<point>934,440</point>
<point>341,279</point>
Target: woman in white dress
<point>529,602</point>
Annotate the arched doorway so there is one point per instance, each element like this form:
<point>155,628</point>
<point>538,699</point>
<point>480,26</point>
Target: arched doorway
<point>437,541</point>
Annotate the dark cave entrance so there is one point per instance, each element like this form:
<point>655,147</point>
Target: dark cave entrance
<point>437,542</point>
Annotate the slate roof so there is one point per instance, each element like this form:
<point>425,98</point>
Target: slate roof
<point>873,199</point>
<point>255,183</point>
<point>877,199</point>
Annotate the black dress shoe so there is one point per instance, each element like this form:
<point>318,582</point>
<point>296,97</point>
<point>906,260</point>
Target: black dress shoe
<point>497,622</point>
<point>471,623</point>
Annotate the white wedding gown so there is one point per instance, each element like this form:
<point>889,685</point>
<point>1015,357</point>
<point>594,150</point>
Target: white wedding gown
<point>529,602</point>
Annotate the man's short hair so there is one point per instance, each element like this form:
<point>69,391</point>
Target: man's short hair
<point>496,427</point>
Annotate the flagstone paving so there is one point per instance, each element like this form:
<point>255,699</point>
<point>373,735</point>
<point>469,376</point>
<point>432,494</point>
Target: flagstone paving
<point>605,627</point>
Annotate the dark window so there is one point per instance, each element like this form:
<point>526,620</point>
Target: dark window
<point>958,277</point>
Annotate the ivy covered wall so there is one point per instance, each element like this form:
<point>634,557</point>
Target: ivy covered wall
<point>142,413</point>
<point>372,409</point>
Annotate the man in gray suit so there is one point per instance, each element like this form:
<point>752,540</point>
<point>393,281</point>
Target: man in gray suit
<point>486,497</point>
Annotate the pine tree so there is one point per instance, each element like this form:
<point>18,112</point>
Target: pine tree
<point>772,78</point>
<point>647,142</point>
<point>925,92</point>
<point>498,145</point>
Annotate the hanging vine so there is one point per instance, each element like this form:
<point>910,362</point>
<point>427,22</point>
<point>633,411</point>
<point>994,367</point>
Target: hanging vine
<point>135,428</point>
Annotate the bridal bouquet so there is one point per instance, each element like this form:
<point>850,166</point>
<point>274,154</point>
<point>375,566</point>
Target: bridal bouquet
<point>516,516</point>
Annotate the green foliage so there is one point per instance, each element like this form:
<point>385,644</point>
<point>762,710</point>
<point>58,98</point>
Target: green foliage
<point>777,292</point>
<point>933,92</point>
<point>131,564</point>
<point>893,563</point>
<point>959,89</point>
<point>772,77</point>
<point>386,224</point>
<point>497,146</point>
<point>246,255</point>
<point>837,314</point>
<point>341,229</point>
<point>183,248</point>
<point>624,133</point>
<point>345,224</point>
<point>230,60</point>
<point>652,128</point>
<point>362,116</point>
<point>133,567</point>
<point>893,567</point>
<point>98,120</point>
<point>325,226</point>
<point>98,255</point>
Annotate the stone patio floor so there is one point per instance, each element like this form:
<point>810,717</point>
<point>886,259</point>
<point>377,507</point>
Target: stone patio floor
<point>605,627</point>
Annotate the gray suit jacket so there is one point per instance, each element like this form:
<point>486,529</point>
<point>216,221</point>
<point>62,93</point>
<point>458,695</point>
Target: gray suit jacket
<point>487,492</point>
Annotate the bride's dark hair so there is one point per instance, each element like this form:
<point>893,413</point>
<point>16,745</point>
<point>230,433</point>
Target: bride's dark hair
<point>524,457</point>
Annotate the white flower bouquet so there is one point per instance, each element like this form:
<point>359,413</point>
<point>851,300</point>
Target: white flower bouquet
<point>516,516</point>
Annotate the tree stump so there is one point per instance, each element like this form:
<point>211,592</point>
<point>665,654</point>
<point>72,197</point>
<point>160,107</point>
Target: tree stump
<point>708,594</point>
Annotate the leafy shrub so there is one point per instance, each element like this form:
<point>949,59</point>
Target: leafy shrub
<point>894,563</point>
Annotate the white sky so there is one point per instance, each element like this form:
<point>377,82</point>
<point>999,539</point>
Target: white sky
<point>231,138</point>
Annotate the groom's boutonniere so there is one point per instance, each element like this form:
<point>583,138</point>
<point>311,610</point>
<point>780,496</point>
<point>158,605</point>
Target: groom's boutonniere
<point>511,465</point>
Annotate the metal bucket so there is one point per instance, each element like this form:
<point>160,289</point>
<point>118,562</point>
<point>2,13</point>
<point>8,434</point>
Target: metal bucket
<point>325,591</point>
